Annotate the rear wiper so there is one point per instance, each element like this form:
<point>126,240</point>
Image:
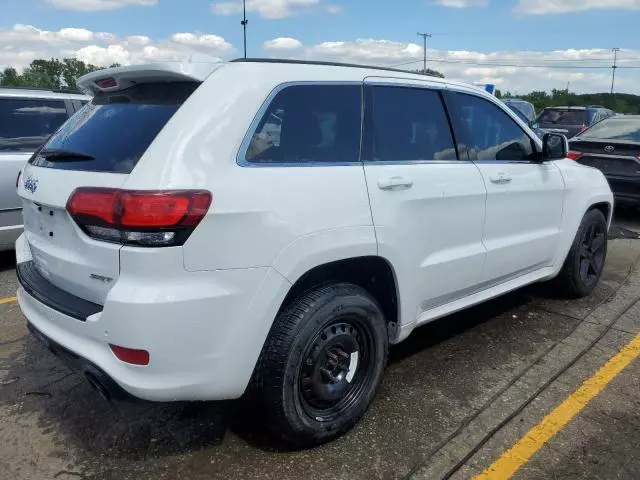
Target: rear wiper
<point>64,155</point>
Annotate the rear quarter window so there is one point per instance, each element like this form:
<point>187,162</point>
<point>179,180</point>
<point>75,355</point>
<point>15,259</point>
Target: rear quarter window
<point>25,124</point>
<point>112,132</point>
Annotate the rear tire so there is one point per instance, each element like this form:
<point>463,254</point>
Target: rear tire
<point>321,364</point>
<point>584,263</point>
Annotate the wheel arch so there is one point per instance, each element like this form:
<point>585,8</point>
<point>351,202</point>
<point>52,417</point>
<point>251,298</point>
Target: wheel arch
<point>373,273</point>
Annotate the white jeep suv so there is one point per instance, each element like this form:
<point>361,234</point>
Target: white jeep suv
<point>202,231</point>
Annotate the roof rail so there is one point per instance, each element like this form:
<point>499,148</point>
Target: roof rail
<point>41,89</point>
<point>595,106</point>
<point>318,62</point>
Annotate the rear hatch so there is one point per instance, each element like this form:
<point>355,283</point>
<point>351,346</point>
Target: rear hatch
<point>612,146</point>
<point>98,147</point>
<point>568,122</point>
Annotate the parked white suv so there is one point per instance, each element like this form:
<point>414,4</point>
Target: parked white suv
<point>27,118</point>
<point>202,231</point>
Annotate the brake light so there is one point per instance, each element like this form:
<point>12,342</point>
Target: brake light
<point>153,218</point>
<point>130,355</point>
<point>108,82</point>
<point>573,155</point>
<point>18,178</point>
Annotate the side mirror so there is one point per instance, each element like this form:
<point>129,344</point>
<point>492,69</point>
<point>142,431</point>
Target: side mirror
<point>555,146</point>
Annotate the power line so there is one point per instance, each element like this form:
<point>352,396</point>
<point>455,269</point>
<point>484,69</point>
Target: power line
<point>517,65</point>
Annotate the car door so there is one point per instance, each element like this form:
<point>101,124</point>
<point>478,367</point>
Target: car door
<point>524,194</point>
<point>428,207</point>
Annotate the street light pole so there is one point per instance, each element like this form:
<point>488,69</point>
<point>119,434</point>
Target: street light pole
<point>244,25</point>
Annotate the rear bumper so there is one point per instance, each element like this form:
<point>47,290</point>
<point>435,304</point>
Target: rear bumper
<point>203,330</point>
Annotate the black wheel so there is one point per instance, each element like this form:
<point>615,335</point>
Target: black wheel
<point>321,364</point>
<point>584,264</point>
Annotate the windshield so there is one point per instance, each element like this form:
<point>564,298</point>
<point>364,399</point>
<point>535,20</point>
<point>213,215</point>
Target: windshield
<point>517,111</point>
<point>563,117</point>
<point>615,129</point>
<point>112,132</point>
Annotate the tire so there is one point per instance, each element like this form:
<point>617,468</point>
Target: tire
<point>582,258</point>
<point>337,327</point>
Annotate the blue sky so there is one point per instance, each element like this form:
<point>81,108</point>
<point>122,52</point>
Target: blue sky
<point>476,40</point>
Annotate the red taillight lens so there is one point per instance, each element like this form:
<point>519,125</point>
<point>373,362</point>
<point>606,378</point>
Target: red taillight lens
<point>146,218</point>
<point>130,355</point>
<point>108,82</point>
<point>18,178</point>
<point>573,155</point>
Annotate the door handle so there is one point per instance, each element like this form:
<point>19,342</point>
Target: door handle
<point>500,178</point>
<point>395,183</point>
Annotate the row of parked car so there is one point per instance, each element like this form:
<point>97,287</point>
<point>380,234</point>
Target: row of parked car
<point>269,228</point>
<point>598,137</point>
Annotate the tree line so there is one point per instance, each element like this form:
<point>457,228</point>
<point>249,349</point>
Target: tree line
<point>618,102</point>
<point>53,73</point>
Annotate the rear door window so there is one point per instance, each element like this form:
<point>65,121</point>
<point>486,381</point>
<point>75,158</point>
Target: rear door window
<point>407,124</point>
<point>309,123</point>
<point>112,132</point>
<point>25,124</point>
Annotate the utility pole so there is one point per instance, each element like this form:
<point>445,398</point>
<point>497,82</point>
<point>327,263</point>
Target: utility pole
<point>424,41</point>
<point>244,25</point>
<point>615,66</point>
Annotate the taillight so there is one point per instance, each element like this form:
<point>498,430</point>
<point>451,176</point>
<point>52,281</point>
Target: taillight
<point>150,218</point>
<point>573,155</point>
<point>18,178</point>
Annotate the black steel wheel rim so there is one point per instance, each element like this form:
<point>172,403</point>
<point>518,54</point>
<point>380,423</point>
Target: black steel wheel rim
<point>337,368</point>
<point>592,253</point>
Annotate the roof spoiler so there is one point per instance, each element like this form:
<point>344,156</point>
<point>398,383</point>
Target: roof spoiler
<point>119,78</point>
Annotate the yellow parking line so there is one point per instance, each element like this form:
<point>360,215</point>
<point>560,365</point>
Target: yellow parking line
<point>7,300</point>
<point>518,455</point>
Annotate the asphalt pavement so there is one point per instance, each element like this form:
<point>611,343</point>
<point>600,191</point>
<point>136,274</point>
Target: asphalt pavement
<point>458,396</point>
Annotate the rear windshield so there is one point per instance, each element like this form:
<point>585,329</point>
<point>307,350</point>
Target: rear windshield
<point>615,129</point>
<point>113,131</point>
<point>563,117</point>
<point>25,124</point>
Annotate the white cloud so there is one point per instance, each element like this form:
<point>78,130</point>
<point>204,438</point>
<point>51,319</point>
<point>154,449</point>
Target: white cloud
<point>508,69</point>
<point>545,7</point>
<point>334,9</point>
<point>271,9</point>
<point>462,3</point>
<point>97,5</point>
<point>21,44</point>
<point>282,44</point>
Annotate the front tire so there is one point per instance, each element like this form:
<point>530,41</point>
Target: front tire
<point>321,364</point>
<point>585,262</point>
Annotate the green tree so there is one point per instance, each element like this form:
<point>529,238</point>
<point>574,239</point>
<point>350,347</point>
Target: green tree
<point>431,73</point>
<point>52,73</point>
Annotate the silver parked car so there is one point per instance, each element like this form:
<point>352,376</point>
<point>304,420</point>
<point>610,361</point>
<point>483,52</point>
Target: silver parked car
<point>27,118</point>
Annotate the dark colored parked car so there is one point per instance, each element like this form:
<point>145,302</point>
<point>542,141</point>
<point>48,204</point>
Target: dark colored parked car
<point>522,106</point>
<point>571,121</point>
<point>613,146</point>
